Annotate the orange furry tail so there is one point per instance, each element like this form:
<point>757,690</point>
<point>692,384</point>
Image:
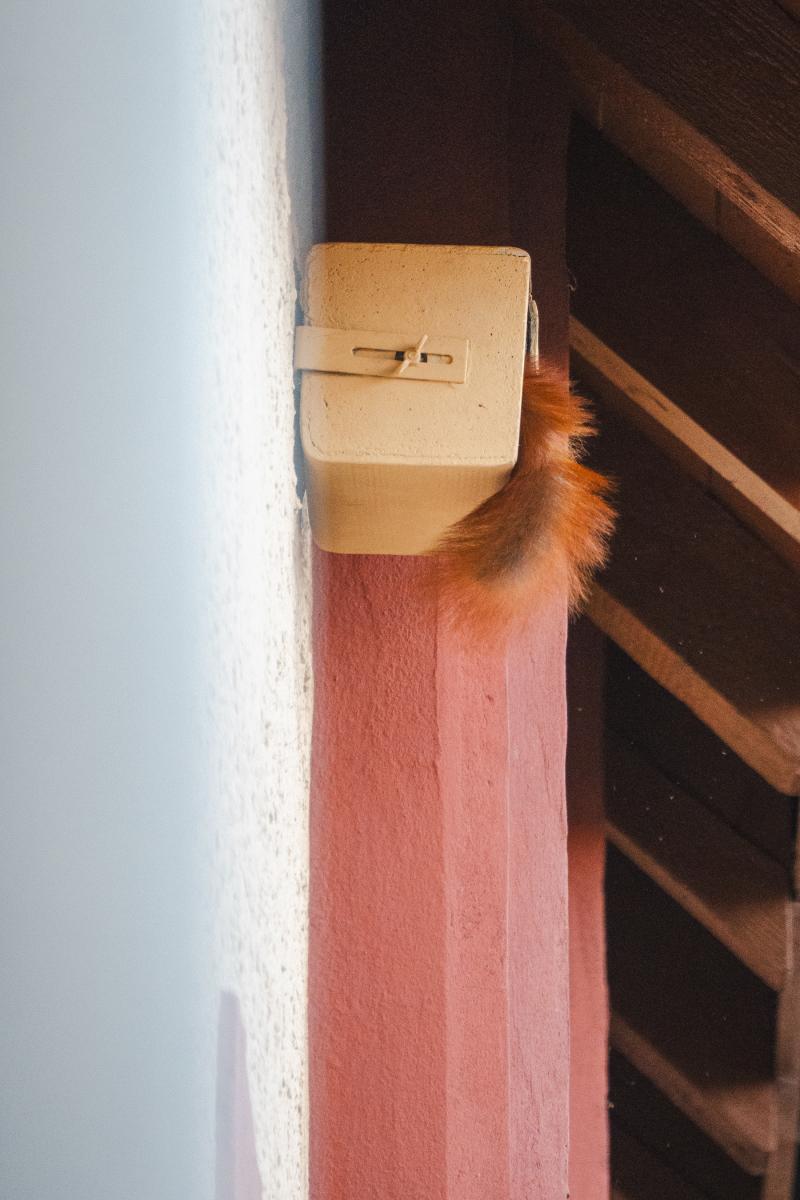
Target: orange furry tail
<point>546,530</point>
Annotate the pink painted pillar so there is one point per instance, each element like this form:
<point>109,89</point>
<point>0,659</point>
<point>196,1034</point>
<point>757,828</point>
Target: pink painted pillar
<point>439,957</point>
<point>588,1165</point>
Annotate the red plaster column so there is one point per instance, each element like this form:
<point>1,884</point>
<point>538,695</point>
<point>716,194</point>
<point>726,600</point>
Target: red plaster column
<point>439,959</point>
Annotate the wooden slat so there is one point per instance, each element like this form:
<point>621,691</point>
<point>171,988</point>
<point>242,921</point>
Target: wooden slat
<point>733,889</point>
<point>739,1117</point>
<point>764,746</point>
<point>776,260</point>
<point>706,180</point>
<point>703,606</point>
<point>691,318</point>
<point>639,1110</point>
<point>703,456</point>
<point>729,68</point>
<point>690,1017</point>
<point>687,752</point>
<point>733,797</point>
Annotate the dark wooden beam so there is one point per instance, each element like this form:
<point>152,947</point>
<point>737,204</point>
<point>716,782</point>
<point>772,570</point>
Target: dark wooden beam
<point>731,68</point>
<point>696,322</point>
<point>705,607</point>
<point>691,1017</point>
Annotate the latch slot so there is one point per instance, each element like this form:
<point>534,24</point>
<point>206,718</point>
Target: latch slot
<point>400,355</point>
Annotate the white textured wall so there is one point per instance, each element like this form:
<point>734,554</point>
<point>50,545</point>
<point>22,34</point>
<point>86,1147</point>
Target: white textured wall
<point>154,605</point>
<point>260,583</point>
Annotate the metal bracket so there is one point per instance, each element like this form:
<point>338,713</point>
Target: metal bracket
<point>425,357</point>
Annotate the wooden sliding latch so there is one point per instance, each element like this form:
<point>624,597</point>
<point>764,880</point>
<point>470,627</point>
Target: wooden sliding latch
<point>426,358</point>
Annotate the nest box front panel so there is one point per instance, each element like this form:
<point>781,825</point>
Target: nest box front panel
<point>412,360</point>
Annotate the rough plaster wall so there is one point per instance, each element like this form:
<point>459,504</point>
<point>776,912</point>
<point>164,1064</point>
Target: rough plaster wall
<point>260,592</point>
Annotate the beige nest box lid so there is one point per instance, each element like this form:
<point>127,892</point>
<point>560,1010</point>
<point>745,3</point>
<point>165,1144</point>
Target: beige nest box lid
<point>412,361</point>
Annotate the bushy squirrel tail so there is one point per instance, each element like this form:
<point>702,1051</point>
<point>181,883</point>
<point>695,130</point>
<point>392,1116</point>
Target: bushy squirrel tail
<point>547,530</point>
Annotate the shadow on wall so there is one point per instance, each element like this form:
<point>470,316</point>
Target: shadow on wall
<point>238,1177</point>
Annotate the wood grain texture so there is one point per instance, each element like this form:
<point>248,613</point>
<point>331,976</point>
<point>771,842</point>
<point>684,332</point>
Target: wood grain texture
<point>706,180</point>
<point>731,68</point>
<point>690,1017</point>
<point>684,312</point>
<point>422,156</point>
<point>756,235</point>
<point>538,133</point>
<point>703,606</point>
<point>734,890</point>
<point>704,457</point>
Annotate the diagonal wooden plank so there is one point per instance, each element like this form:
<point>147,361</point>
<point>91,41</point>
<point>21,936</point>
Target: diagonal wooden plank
<point>738,1119</point>
<point>689,316</point>
<point>639,1110</point>
<point>691,1018</point>
<point>734,890</point>
<point>706,458</point>
<point>709,182</point>
<point>703,606</point>
<point>730,69</point>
